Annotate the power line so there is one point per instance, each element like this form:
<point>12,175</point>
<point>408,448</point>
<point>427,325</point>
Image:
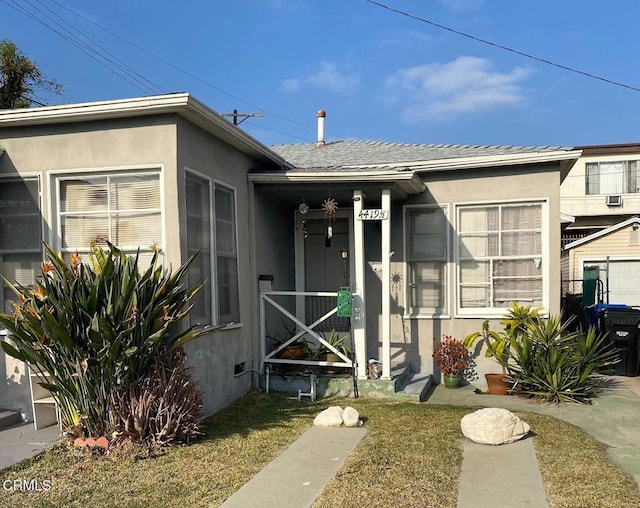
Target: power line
<point>190,74</point>
<point>505,48</point>
<point>73,41</point>
<point>102,51</point>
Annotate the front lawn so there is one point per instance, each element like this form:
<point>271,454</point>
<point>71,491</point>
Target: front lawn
<point>411,454</point>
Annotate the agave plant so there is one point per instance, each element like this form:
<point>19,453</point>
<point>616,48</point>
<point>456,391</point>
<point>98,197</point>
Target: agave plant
<point>97,328</point>
<point>553,364</point>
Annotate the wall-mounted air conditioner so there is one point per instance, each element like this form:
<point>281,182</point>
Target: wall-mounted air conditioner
<point>614,200</point>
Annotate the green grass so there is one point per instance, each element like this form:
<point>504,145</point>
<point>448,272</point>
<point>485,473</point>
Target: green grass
<point>410,456</point>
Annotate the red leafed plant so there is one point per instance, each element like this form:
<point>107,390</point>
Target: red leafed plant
<point>452,356</point>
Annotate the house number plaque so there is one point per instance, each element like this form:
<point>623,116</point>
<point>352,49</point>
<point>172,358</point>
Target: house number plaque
<point>373,214</point>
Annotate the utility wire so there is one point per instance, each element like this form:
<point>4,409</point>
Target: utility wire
<point>190,74</point>
<point>101,50</point>
<point>71,40</point>
<point>505,48</point>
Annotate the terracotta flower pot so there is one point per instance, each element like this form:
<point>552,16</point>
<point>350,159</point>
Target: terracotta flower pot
<point>498,384</point>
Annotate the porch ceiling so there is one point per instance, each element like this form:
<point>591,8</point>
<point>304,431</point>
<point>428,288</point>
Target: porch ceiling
<point>315,194</point>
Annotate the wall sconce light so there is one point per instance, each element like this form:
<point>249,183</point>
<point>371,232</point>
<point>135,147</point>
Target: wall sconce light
<point>635,226</point>
<point>344,254</point>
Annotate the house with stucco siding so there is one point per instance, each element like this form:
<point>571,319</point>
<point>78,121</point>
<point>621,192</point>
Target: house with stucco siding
<point>426,239</point>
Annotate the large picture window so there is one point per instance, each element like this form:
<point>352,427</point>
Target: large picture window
<point>427,256</point>
<point>500,255</point>
<point>211,231</point>
<point>619,177</point>
<point>20,235</point>
<point>122,208</point>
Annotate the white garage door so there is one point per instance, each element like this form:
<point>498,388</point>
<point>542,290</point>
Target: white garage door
<point>624,281</point>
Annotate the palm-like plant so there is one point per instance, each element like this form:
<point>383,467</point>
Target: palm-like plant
<point>96,329</point>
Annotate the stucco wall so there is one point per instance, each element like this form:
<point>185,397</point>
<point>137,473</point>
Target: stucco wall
<point>412,338</point>
<point>213,356</point>
<point>148,142</point>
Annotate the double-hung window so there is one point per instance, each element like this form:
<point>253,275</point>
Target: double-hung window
<point>20,235</point>
<point>211,232</point>
<point>617,177</point>
<point>122,208</point>
<point>427,255</point>
<point>500,256</point>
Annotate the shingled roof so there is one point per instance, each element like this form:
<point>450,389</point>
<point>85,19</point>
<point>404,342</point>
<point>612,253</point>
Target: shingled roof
<point>354,153</point>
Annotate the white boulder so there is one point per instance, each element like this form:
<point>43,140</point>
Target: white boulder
<point>330,417</point>
<point>493,426</point>
<point>351,417</point>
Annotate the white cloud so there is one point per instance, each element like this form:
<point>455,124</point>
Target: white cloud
<point>465,85</point>
<point>329,76</point>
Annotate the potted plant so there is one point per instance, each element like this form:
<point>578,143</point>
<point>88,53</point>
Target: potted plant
<point>338,342</point>
<point>296,350</point>
<point>498,344</point>
<point>453,358</point>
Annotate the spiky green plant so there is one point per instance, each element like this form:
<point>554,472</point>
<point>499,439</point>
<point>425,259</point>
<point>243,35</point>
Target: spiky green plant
<point>554,364</point>
<point>97,328</point>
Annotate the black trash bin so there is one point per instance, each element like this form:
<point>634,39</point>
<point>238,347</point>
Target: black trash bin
<point>623,331</point>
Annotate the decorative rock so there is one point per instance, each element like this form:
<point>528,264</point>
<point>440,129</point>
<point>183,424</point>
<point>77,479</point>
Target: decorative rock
<point>351,417</point>
<point>330,417</point>
<point>493,426</point>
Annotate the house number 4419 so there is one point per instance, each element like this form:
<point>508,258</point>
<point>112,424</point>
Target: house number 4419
<point>373,214</point>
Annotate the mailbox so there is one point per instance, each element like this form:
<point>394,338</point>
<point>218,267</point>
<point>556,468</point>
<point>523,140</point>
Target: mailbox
<point>345,302</point>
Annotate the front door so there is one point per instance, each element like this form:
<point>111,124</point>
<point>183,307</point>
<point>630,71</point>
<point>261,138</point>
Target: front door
<point>326,262</point>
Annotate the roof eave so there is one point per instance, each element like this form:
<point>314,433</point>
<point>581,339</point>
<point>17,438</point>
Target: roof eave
<point>567,156</point>
<point>180,103</point>
<point>408,181</point>
<point>604,232</point>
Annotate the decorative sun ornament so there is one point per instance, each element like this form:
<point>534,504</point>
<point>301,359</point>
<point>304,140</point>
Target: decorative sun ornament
<point>303,208</point>
<point>329,206</point>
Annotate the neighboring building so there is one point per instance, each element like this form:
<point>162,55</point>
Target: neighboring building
<point>431,239</point>
<point>602,189</point>
<point>614,254</point>
<point>601,194</point>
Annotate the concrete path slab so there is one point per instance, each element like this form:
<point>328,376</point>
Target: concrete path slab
<point>24,441</point>
<point>298,475</point>
<point>505,476</point>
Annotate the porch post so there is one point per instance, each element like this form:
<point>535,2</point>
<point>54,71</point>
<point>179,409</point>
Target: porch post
<point>386,286</point>
<point>359,319</point>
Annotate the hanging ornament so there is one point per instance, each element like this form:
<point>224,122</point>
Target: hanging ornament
<point>329,206</point>
<point>303,208</point>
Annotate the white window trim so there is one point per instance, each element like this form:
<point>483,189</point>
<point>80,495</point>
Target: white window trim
<point>56,176</point>
<point>234,190</point>
<point>485,312</point>
<point>213,182</point>
<point>447,267</point>
<point>40,250</point>
<point>30,176</point>
<point>212,271</point>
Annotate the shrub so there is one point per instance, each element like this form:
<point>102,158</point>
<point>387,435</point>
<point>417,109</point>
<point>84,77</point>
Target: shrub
<point>452,356</point>
<point>556,365</point>
<point>99,329</point>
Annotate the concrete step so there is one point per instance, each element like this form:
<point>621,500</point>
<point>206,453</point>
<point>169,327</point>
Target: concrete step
<point>9,418</point>
<point>417,387</point>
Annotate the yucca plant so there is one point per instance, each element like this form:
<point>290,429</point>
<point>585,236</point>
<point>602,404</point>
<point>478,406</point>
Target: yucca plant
<point>554,364</point>
<point>98,328</point>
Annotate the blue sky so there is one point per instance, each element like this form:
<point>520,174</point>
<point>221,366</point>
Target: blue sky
<point>379,75</point>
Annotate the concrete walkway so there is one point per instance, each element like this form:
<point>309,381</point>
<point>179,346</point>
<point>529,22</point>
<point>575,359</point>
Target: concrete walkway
<point>24,441</point>
<point>297,476</point>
